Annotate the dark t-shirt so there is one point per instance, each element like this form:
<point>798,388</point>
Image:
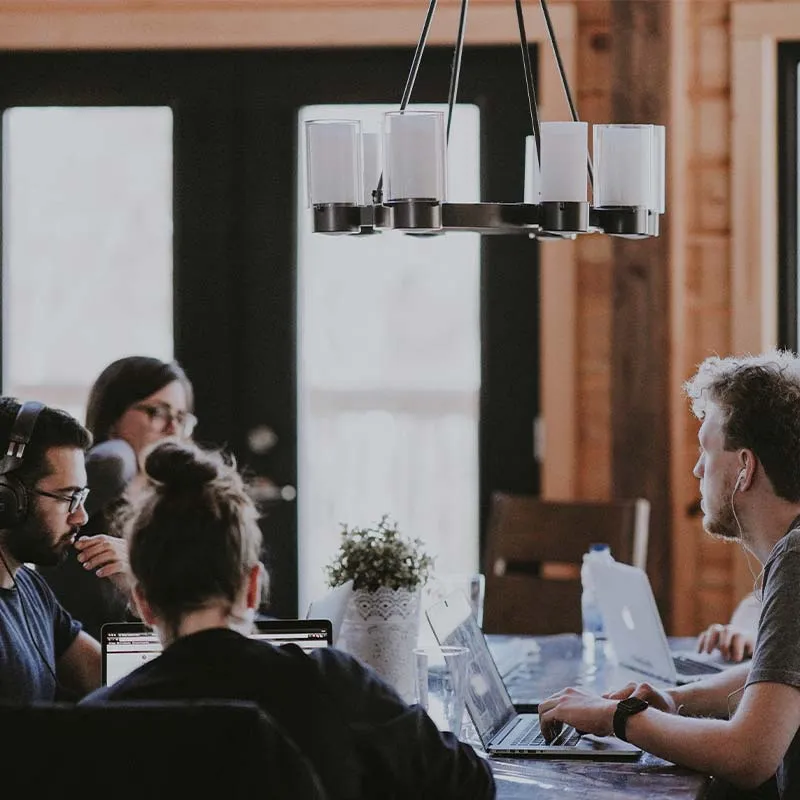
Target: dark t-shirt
<point>777,652</point>
<point>363,740</point>
<point>110,467</point>
<point>30,616</point>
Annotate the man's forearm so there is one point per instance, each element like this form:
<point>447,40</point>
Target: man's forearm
<point>716,696</point>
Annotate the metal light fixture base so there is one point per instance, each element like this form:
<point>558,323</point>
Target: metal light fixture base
<point>337,218</point>
<point>565,217</point>
<point>417,215</point>
<point>631,222</point>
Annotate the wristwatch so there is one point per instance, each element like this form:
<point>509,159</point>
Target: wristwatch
<point>627,708</point>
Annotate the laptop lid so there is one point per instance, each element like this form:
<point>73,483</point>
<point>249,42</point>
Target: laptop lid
<point>487,699</point>
<point>127,645</point>
<point>332,606</point>
<point>631,619</point>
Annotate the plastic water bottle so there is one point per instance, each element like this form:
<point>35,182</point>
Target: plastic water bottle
<point>593,630</point>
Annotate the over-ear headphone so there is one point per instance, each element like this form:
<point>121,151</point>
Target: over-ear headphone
<point>13,494</point>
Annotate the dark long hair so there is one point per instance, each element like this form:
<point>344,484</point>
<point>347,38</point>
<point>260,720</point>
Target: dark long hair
<point>127,381</point>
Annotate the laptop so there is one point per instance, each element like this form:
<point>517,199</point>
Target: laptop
<point>634,628</point>
<point>332,606</point>
<point>127,645</point>
<point>503,731</point>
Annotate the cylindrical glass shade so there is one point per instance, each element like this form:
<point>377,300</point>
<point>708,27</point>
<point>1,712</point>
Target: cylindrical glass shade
<point>533,173</point>
<point>659,198</point>
<point>372,164</point>
<point>564,161</point>
<point>414,156</point>
<point>334,162</point>
<point>623,165</point>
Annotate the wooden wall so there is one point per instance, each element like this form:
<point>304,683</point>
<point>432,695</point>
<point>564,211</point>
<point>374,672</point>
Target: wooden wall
<point>633,318</point>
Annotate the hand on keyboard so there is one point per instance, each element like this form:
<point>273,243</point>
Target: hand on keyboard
<point>585,712</point>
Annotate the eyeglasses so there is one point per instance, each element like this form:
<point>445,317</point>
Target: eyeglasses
<point>162,416</point>
<point>76,500</point>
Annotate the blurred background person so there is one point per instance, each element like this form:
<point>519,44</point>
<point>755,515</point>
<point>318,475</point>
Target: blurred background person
<point>736,640</point>
<point>135,402</point>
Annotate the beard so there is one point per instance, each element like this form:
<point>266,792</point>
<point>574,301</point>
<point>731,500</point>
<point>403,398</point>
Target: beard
<point>722,522</point>
<point>32,542</point>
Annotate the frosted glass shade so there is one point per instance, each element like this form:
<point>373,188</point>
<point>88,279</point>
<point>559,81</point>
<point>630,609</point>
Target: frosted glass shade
<point>334,162</point>
<point>533,173</point>
<point>414,156</point>
<point>623,165</point>
<point>564,161</point>
<point>371,143</point>
<point>658,202</point>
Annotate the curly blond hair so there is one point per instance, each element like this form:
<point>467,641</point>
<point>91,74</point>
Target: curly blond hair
<point>759,398</point>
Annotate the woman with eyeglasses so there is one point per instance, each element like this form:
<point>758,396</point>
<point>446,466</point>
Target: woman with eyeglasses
<point>135,402</point>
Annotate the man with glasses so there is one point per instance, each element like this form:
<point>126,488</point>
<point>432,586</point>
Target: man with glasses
<point>44,653</point>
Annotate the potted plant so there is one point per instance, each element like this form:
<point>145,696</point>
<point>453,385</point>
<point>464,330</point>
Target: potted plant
<point>381,624</point>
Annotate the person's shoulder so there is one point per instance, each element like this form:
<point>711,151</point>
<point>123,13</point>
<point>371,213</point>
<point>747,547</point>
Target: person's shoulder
<point>339,667</point>
<point>32,581</point>
<point>789,543</point>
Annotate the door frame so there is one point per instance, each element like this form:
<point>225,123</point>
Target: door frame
<point>114,24</point>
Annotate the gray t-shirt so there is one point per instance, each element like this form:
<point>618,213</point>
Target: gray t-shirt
<point>777,652</point>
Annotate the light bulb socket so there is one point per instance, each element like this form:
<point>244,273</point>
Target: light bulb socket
<point>337,218</point>
<point>565,217</point>
<point>416,215</point>
<point>622,220</point>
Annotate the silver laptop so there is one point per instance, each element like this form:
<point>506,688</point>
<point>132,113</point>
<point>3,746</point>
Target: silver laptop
<point>502,730</point>
<point>127,645</point>
<point>332,606</point>
<point>634,628</point>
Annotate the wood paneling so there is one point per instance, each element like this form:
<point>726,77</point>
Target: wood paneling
<point>640,354</point>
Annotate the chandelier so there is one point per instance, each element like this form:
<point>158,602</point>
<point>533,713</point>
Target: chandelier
<point>353,190</point>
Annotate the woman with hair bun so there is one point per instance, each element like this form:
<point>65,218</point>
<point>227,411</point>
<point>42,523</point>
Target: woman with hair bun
<point>194,545</point>
<point>135,402</point>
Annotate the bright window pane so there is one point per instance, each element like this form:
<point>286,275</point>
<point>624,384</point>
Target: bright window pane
<point>87,246</point>
<point>389,374</point>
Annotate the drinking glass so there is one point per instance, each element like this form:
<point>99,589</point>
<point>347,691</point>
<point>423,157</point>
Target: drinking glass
<point>440,684</point>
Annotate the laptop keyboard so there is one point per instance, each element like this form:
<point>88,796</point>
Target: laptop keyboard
<point>531,736</point>
<point>688,666</point>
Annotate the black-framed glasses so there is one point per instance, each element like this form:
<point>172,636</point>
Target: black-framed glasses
<point>161,417</point>
<point>76,500</point>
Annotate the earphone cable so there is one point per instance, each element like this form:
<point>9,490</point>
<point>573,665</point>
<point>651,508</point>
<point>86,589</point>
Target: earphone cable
<point>27,622</point>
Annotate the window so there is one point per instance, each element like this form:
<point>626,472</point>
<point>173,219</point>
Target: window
<point>87,246</point>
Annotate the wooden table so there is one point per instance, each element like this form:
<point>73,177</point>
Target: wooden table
<point>544,665</point>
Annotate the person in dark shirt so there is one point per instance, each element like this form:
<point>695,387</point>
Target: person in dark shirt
<point>44,654</point>
<point>194,546</point>
<point>135,401</point>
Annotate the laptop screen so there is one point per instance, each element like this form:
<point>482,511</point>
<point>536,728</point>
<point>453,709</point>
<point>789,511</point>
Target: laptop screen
<point>128,645</point>
<point>487,700</point>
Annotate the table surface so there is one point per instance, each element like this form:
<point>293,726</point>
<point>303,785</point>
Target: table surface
<point>544,664</point>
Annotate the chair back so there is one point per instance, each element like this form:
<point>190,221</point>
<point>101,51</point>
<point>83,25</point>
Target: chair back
<point>204,749</point>
<point>534,551</point>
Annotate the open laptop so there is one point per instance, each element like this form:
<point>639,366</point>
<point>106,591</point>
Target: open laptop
<point>332,606</point>
<point>502,730</point>
<point>127,645</point>
<point>634,628</point>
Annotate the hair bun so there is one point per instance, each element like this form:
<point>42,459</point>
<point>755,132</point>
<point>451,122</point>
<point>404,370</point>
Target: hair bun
<point>179,465</point>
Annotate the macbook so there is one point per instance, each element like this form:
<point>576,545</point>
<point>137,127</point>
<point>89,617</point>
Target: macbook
<point>634,628</point>
<point>332,606</point>
<point>127,645</point>
<point>502,730</point>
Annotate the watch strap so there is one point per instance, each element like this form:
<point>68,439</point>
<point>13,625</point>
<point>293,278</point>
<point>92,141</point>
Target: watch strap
<point>625,710</point>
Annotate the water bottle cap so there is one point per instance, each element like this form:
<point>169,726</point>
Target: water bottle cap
<point>599,547</point>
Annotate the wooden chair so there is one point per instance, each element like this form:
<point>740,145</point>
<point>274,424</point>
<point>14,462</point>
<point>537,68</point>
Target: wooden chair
<point>534,552</point>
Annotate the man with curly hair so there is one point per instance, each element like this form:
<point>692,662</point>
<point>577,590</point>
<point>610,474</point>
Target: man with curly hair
<point>740,726</point>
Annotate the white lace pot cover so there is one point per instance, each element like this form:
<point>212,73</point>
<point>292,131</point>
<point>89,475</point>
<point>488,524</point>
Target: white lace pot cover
<point>380,628</point>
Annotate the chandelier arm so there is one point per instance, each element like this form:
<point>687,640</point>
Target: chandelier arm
<point>551,35</point>
<point>530,84</point>
<point>377,194</point>
<point>423,38</point>
<point>455,70</point>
